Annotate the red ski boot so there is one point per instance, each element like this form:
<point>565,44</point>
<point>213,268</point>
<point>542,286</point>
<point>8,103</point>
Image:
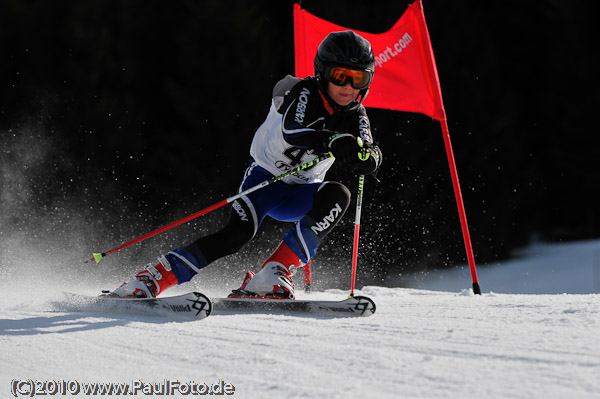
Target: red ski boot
<point>274,280</point>
<point>148,283</point>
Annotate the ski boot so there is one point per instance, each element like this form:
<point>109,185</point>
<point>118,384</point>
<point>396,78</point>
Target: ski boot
<point>148,283</point>
<point>274,280</point>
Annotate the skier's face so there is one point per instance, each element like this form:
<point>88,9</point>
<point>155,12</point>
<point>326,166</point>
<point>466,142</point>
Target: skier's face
<point>342,95</point>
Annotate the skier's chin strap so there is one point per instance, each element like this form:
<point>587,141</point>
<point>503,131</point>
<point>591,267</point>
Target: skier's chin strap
<point>328,106</point>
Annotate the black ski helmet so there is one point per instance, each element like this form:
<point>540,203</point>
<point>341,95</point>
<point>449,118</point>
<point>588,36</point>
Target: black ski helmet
<point>344,49</point>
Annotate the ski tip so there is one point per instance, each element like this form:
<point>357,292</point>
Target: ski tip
<point>97,257</point>
<point>202,305</point>
<point>365,304</point>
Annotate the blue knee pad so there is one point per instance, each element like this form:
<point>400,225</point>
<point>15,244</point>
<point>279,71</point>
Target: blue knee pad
<point>184,264</point>
<point>302,240</point>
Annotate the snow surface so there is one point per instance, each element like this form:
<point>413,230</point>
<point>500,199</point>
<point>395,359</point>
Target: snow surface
<point>541,268</point>
<point>419,344</point>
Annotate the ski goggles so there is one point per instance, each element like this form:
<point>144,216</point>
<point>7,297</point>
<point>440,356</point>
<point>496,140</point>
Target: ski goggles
<point>359,79</point>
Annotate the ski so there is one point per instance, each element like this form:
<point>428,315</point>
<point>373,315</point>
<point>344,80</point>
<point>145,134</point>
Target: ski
<point>357,306</point>
<point>190,306</point>
<point>196,306</point>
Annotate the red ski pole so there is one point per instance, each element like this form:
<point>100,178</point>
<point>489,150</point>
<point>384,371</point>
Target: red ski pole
<point>98,256</point>
<point>359,198</point>
<point>307,269</point>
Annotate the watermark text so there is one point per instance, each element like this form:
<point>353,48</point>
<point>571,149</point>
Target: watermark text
<point>31,388</point>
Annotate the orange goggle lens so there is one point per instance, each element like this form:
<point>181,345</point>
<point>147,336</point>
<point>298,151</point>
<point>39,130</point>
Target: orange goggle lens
<point>358,79</point>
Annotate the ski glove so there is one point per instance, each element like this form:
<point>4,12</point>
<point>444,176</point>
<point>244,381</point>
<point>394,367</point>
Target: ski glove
<point>343,146</point>
<point>368,160</point>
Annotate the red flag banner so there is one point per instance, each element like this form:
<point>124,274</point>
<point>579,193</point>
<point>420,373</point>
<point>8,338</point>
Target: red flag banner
<point>406,77</point>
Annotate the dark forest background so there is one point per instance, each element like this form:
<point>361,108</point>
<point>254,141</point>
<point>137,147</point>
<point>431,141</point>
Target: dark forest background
<point>149,107</point>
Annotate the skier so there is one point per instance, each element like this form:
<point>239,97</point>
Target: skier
<point>308,118</point>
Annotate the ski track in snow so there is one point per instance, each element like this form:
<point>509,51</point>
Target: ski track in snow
<point>419,344</point>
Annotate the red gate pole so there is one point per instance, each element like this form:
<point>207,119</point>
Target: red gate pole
<point>460,205</point>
